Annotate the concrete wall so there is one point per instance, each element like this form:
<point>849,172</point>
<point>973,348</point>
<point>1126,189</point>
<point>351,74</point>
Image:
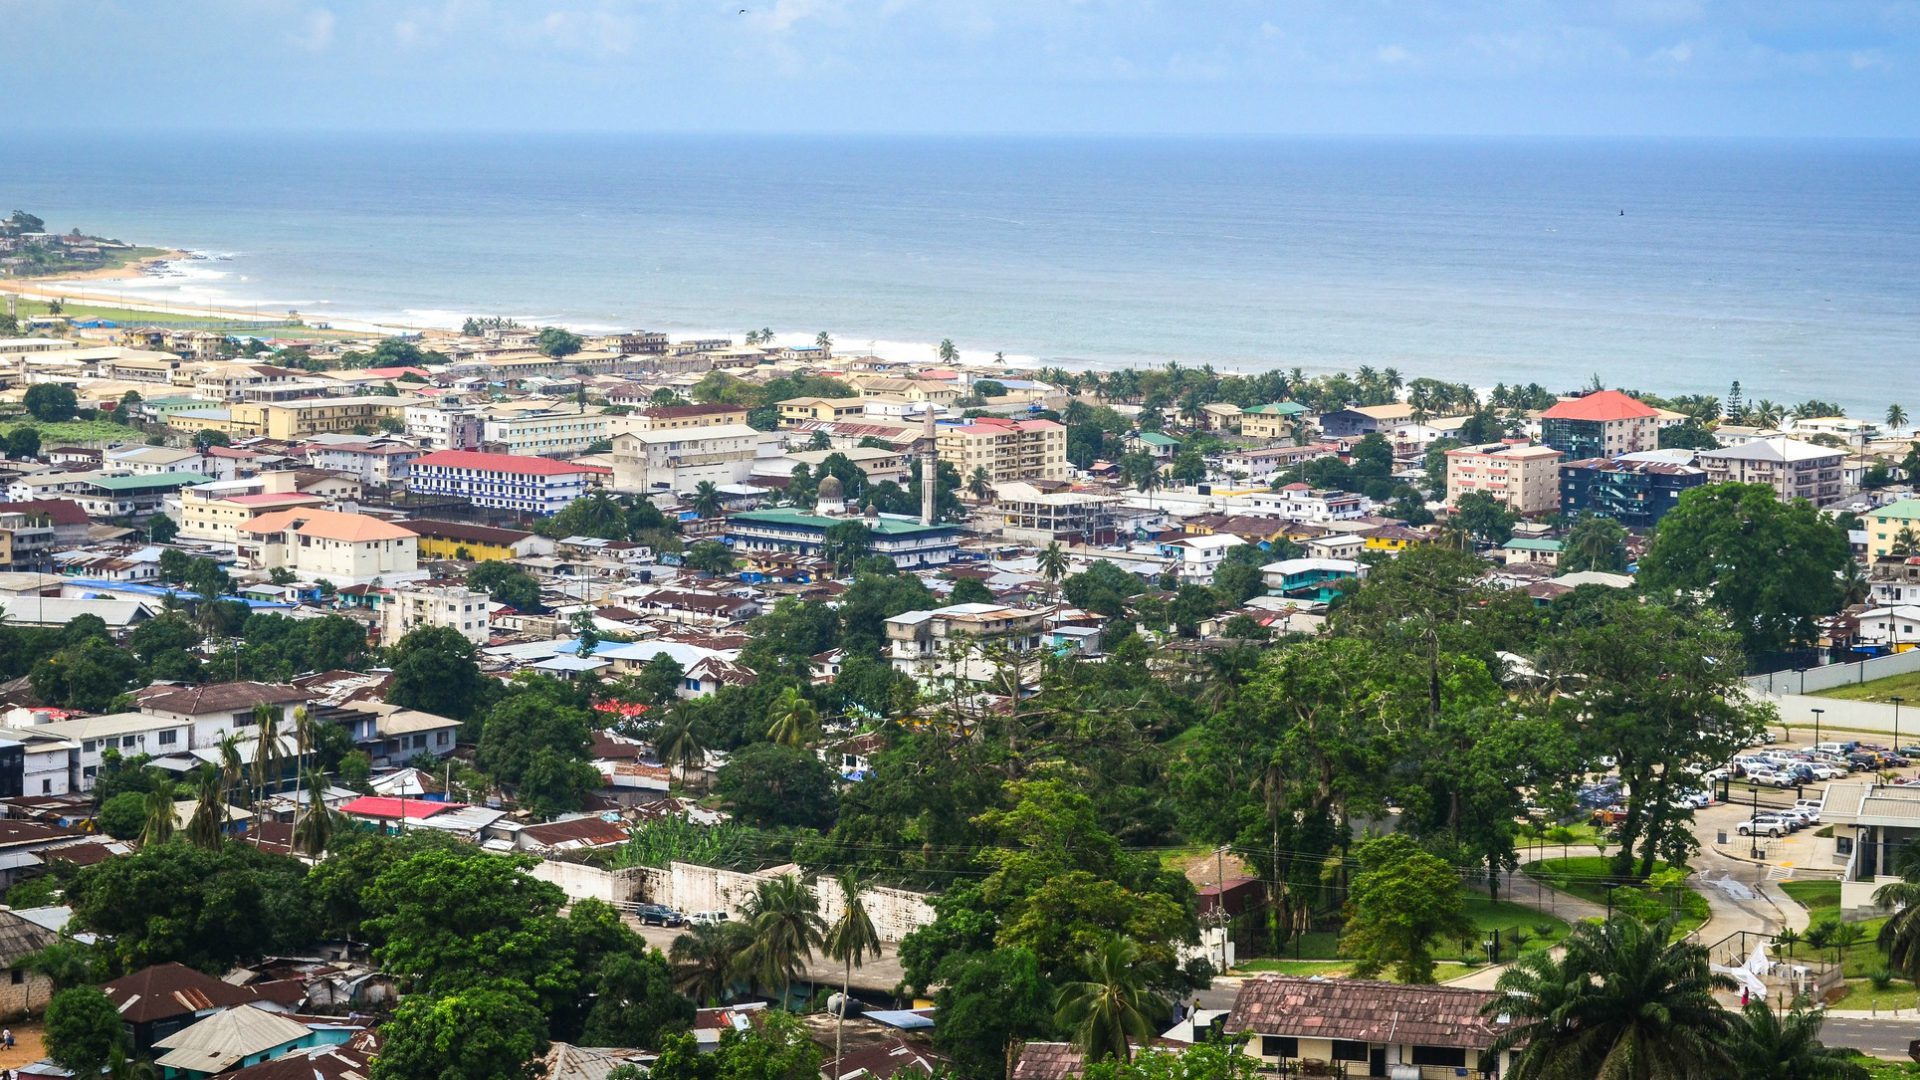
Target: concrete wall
<point>582,882</point>
<point>690,888</point>
<point>1826,678</point>
<point>31,993</point>
<point>1836,713</point>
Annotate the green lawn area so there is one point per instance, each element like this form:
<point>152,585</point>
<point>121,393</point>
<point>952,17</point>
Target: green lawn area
<point>1862,995</point>
<point>1906,686</point>
<point>1879,1069</point>
<point>75,431</point>
<point>1587,877</point>
<point>1333,969</point>
<point>1815,896</point>
<point>77,310</point>
<point>1318,952</point>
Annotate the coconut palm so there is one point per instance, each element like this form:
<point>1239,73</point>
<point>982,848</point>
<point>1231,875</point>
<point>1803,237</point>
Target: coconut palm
<point>706,499</point>
<point>704,959</point>
<point>1112,1007</point>
<point>1765,1045</point>
<point>947,353</point>
<point>159,825</point>
<point>268,757</point>
<point>1624,1003</point>
<point>313,831</point>
<point>823,341</point>
<point>228,748</point>
<point>1767,414</point>
<point>793,718</point>
<point>677,743</point>
<point>302,748</point>
<point>849,941</point>
<point>784,916</point>
<point>980,483</point>
<point>1896,417</point>
<point>207,827</point>
<point>1053,563</point>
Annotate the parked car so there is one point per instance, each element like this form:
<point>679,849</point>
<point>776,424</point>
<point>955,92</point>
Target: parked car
<point>1823,771</point>
<point>1699,800</point>
<point>1840,749</point>
<point>660,915</point>
<point>707,918</point>
<point>1795,819</point>
<point>1765,825</point>
<point>1812,807</point>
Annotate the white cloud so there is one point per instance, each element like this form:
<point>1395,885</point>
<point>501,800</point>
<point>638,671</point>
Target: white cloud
<point>316,31</point>
<point>1392,54</point>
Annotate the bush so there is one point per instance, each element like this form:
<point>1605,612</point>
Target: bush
<point>1881,978</point>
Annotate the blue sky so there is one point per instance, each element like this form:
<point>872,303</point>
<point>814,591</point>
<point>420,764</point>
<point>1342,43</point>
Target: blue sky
<point>1487,67</point>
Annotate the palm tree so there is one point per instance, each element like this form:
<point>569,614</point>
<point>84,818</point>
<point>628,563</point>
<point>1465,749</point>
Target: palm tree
<point>849,942</point>
<point>313,832</point>
<point>1896,417</point>
<point>159,826</point>
<point>704,959</point>
<point>1624,1003</point>
<point>302,748</point>
<point>268,757</point>
<point>64,963</point>
<point>980,483</point>
<point>207,827</point>
<point>766,336</point>
<point>706,498</point>
<point>784,915</point>
<point>1767,414</point>
<point>1111,1008</point>
<point>230,766</point>
<point>1053,563</point>
<point>1765,1045</point>
<point>947,353</point>
<point>677,743</point>
<point>794,718</point>
<point>824,342</point>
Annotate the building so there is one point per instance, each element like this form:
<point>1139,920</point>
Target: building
<point>440,426</point>
<point>1886,524</point>
<point>326,545</point>
<point>1793,469</point>
<point>1029,515</point>
<point>1872,824</point>
<point>969,642</point>
<point>233,1039</point>
<point>32,532</point>
<point>103,493</point>
<point>230,382</point>
<point>216,710</point>
<point>21,987</point>
<point>157,1001</point>
<point>795,411</point>
<point>681,459</point>
<point>1316,1026</point>
<point>502,481</point>
<point>544,430</point>
<point>1635,492</point>
<point>1195,559</point>
<point>1155,444</point>
<point>1523,478</point>
<point>1605,423</point>
<point>216,511</point>
<point>292,421</point>
<point>1316,580</point>
<point>1006,449</point>
<point>456,606</point>
<point>679,417</point>
<point>1262,464</point>
<point>127,734</point>
<point>908,543</point>
<point>878,465</point>
<point>1275,420</point>
<point>1300,502</point>
<point>378,462</point>
<point>149,460</point>
<point>1359,420</point>
<point>475,543</point>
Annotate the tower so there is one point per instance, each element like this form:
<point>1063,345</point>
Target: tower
<point>929,467</point>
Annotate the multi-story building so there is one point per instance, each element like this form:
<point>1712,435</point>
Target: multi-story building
<point>441,426</point>
<point>1521,477</point>
<point>1031,516</point>
<point>454,606</point>
<point>345,549</point>
<point>1886,524</point>
<point>295,420</point>
<point>560,427</point>
<point>677,417</point>
<point>1316,580</point>
<point>1793,469</point>
<point>1636,492</point>
<point>968,642</point>
<point>1301,502</point>
<point>1605,423</point>
<point>229,382</point>
<point>1006,449</point>
<point>217,511</point>
<point>128,734</point>
<point>380,462</point>
<point>215,710</point>
<point>1261,464</point>
<point>1894,581</point>
<point>148,460</point>
<point>680,459</point>
<point>530,485</point>
<point>919,391</point>
<point>1275,420</point>
<point>32,532</point>
<point>908,543</point>
<point>795,411</point>
<point>1194,559</point>
<point>475,543</point>
<point>103,493</point>
<point>878,465</point>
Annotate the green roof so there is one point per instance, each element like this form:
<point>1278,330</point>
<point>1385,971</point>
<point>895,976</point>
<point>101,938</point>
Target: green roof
<point>1156,439</point>
<point>152,480</point>
<point>1278,408</point>
<point>1524,544</point>
<point>1904,510</point>
<point>884,525</point>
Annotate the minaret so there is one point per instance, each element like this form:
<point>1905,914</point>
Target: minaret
<point>929,467</point>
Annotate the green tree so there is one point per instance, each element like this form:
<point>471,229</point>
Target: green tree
<point>846,543</point>
<point>203,908</point>
<point>1624,1002</point>
<point>83,1030</point>
<point>447,920</point>
<point>768,785</point>
<point>1400,901</point>
<point>556,342</point>
<point>1052,563</point>
<point>1766,1045</point>
<point>635,1002</point>
<point>794,720</point>
<point>705,958</point>
<point>850,940</point>
<point>678,743</point>
<point>1487,520</point>
<point>784,915</point>
<point>1896,417</point>
<point>707,501</point>
<point>86,676</point>
<point>507,584</point>
<point>1771,567</point>
<point>207,437</point>
<point>1595,543</point>
<point>23,443</point>
<point>970,591</point>
<point>157,814</point>
<point>989,1000</point>
<point>980,483</point>
<point>1214,1060</point>
<point>434,671</point>
<point>710,557</point>
<point>1111,1008</point>
<point>123,816</point>
<point>946,352</point>
<point>491,1030</point>
<point>51,402</point>
<point>1691,435</point>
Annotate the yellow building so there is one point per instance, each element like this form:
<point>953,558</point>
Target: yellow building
<point>318,416</point>
<point>1393,539</point>
<point>1273,421</point>
<point>217,511</point>
<point>1006,449</point>
<point>474,543</point>
<point>678,417</point>
<point>935,391</point>
<point>796,411</point>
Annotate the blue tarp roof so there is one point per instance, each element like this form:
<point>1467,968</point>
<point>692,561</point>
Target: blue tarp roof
<point>159,592</point>
<point>904,1019</point>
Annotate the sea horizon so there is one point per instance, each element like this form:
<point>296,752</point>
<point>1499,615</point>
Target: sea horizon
<point>1668,264</point>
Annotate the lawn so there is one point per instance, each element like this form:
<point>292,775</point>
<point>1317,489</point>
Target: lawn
<point>1336,969</point>
<point>1862,995</point>
<point>1587,877</point>
<point>1318,952</point>
<point>75,431</point>
<point>1815,896</point>
<point>1905,686</point>
<point>1505,915</point>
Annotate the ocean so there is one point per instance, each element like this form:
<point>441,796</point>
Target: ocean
<point>1673,266</point>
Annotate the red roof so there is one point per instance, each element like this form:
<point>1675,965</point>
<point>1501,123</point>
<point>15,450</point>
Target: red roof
<point>58,511</point>
<point>1600,405</point>
<point>380,806</point>
<point>506,463</point>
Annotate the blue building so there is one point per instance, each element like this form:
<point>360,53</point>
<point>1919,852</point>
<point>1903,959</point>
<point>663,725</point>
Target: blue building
<point>1635,490</point>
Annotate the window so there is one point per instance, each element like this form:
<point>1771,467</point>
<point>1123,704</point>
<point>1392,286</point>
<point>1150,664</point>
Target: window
<point>1453,1056</point>
<point>1347,1050</point>
<point>46,787</point>
<point>1279,1046</point>
<point>127,740</point>
<point>169,737</point>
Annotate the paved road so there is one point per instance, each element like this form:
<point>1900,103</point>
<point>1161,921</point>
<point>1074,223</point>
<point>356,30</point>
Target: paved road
<point>1878,1038</point>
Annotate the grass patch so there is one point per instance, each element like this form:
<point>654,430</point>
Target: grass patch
<point>1588,877</point>
<point>76,431</point>
<point>1815,896</point>
<point>1862,995</point>
<point>1296,967</point>
<point>1882,1069</point>
<point>1504,915</point>
<point>1906,686</point>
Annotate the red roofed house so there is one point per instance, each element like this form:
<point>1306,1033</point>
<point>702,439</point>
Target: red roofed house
<point>383,809</point>
<point>1605,423</point>
<point>531,484</point>
<point>1364,1028</point>
<point>346,549</point>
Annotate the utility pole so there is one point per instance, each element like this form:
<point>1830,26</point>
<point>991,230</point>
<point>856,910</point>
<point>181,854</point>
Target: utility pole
<point>1896,699</point>
<point>1816,728</point>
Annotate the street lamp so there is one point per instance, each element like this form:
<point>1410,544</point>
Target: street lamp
<point>1896,699</point>
<point>1802,672</point>
<point>1753,828</point>
<point>1816,727</point>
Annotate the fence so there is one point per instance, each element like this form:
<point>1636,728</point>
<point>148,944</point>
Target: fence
<point>1810,680</point>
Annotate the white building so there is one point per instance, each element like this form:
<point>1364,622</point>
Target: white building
<point>456,606</point>
<point>216,710</point>
<point>1196,558</point>
<point>150,460</point>
<point>969,642</point>
<point>561,427</point>
<point>345,549</point>
<point>128,734</point>
<point>1299,502</point>
<point>382,462</point>
<point>445,427</point>
<point>682,458</point>
<point>531,484</point>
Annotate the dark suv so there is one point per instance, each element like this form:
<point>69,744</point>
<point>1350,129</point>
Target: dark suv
<point>660,915</point>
